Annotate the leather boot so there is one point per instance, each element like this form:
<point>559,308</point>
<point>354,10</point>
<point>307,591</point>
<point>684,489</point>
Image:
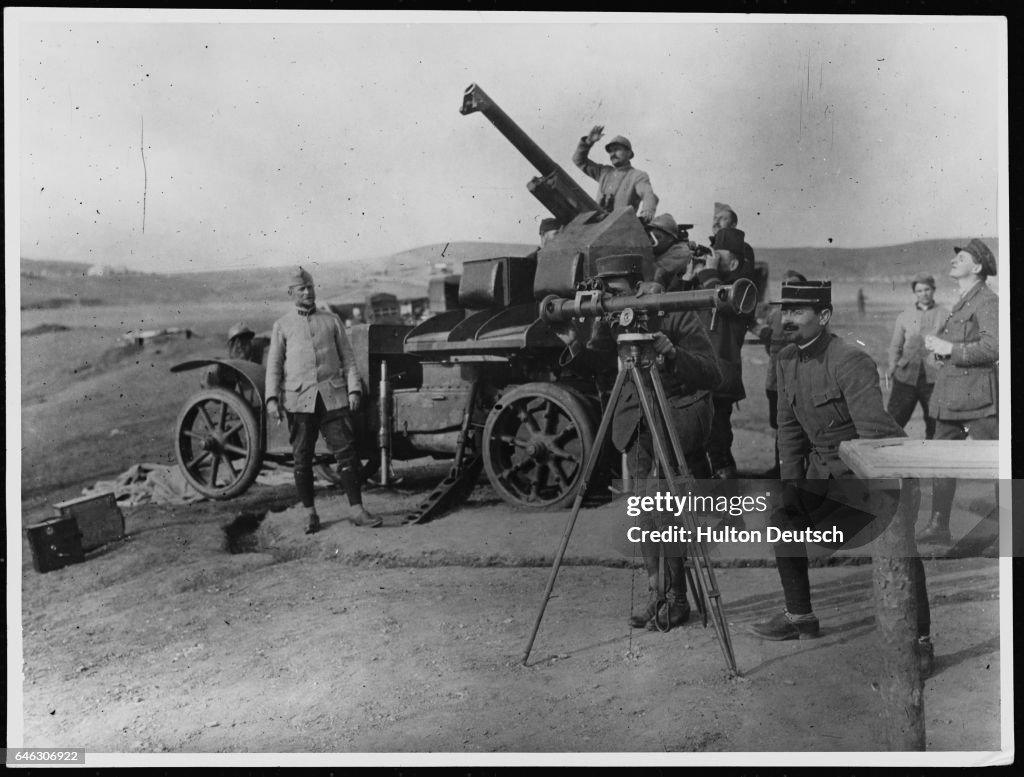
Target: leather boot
<point>676,609</point>
<point>936,532</point>
<point>674,612</point>
<point>640,619</point>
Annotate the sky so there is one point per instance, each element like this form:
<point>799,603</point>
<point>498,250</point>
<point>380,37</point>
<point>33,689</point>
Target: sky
<point>181,141</point>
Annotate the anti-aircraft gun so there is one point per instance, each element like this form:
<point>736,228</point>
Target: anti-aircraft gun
<point>480,381</point>
<point>531,426</point>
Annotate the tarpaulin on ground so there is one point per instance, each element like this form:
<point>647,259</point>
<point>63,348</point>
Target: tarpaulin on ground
<point>161,484</point>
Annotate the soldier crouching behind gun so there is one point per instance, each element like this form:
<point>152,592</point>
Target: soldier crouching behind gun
<point>688,369</point>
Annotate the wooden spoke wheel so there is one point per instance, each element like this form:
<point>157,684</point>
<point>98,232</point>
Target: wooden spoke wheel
<point>536,440</point>
<point>217,443</point>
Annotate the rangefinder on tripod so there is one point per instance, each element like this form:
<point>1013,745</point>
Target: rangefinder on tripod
<point>629,311</point>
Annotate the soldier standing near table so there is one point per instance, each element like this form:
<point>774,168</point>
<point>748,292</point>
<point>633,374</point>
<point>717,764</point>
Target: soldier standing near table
<point>619,184</point>
<point>911,367</point>
<point>311,370</point>
<point>965,401</point>
<point>828,393</point>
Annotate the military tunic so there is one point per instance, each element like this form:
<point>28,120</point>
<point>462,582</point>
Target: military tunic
<point>828,393</point>
<point>966,384</point>
<point>310,356</point>
<point>617,187</point>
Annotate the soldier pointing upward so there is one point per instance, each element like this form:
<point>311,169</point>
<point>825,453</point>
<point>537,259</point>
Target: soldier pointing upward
<point>619,184</point>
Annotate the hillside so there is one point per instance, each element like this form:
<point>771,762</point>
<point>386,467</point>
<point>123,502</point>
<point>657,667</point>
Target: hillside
<point>884,263</point>
<point>47,284</point>
<point>50,284</point>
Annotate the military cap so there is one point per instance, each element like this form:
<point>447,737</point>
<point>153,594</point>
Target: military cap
<point>619,265</point>
<point>803,293</point>
<point>729,239</point>
<point>618,140</point>
<point>923,277</point>
<point>239,330</point>
<point>981,253</point>
<point>666,223</point>
<point>300,278</point>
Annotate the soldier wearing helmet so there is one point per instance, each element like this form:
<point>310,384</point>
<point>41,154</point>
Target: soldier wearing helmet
<point>619,184</point>
<point>243,345</point>
<point>313,380</point>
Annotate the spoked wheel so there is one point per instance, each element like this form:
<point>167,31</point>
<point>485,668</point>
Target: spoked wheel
<point>536,441</point>
<point>217,443</point>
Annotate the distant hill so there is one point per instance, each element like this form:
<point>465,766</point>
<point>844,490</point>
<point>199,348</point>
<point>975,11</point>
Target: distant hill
<point>46,283</point>
<point>885,263</point>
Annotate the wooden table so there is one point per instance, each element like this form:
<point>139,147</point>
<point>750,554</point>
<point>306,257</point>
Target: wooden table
<point>893,553</point>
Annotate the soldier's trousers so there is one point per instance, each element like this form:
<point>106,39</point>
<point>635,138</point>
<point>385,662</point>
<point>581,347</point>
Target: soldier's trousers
<point>339,434</point>
<point>793,565</point>
<point>693,426</point>
<point>944,489</point>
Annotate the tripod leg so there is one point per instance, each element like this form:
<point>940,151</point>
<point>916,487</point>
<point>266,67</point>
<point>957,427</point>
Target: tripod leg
<point>588,472</point>
<point>701,563</point>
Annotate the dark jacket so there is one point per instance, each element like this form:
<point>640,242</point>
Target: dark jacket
<point>727,330</point>
<point>966,384</point>
<point>688,378</point>
<point>828,393</point>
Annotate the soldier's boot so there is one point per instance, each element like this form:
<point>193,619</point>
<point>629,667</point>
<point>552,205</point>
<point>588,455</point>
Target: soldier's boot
<point>676,609</point>
<point>360,516</point>
<point>936,531</point>
<point>639,620</point>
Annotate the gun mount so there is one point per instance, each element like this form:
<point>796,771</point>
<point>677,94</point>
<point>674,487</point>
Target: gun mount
<point>480,382</point>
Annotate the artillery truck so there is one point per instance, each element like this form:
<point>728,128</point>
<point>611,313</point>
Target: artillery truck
<point>479,382</point>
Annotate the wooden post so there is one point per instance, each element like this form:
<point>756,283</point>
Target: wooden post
<point>895,590</point>
<point>892,553</point>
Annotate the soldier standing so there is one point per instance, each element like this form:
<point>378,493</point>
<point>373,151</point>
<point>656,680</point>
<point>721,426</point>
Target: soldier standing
<point>619,184</point>
<point>911,368</point>
<point>311,370</point>
<point>966,347</point>
<point>725,264</point>
<point>688,368</point>
<point>828,393</point>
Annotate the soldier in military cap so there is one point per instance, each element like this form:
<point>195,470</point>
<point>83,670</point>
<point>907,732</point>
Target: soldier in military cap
<point>828,393</point>
<point>965,401</point>
<point>619,184</point>
<point>311,371</point>
<point>688,368</point>
<point>725,217</point>
<point>725,264</point>
<point>911,367</point>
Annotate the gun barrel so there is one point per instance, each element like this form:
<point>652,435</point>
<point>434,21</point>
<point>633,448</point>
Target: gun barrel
<point>739,297</point>
<point>475,100</point>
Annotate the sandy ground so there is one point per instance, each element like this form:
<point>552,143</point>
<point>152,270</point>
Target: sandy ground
<point>409,639</point>
<point>406,642</point>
